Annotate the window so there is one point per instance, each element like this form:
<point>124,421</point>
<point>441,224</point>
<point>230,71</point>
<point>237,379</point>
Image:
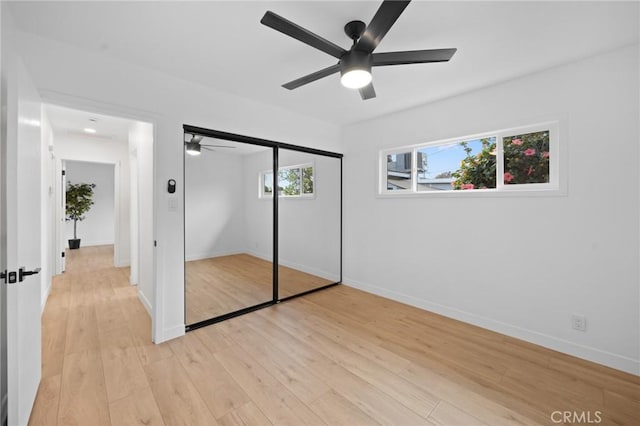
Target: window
<point>293,181</point>
<point>523,159</point>
<point>526,158</point>
<point>399,171</point>
<point>467,164</point>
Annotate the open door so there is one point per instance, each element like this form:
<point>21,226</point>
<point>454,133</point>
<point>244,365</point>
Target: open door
<point>21,224</point>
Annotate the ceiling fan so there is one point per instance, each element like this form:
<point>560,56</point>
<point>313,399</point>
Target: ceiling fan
<point>355,64</point>
<point>193,145</point>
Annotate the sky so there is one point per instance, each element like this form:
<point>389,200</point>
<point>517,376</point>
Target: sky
<point>443,158</point>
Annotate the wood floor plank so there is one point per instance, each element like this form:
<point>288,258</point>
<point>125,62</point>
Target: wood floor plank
<point>53,345</point>
<point>82,330</point>
<point>371,399</point>
<point>293,375</point>
<point>218,389</point>
<point>83,397</point>
<point>122,368</point>
<point>45,408</point>
<point>137,409</point>
<point>619,409</point>
<point>278,404</point>
<point>178,399</point>
<point>446,414</point>
<point>335,409</point>
<point>246,415</point>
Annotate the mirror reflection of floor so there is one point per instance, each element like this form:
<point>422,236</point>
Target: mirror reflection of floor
<point>219,285</point>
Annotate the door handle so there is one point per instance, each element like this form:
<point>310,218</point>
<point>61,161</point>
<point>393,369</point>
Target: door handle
<point>22,273</point>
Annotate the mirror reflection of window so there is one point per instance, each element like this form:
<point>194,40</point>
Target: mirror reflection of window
<point>308,222</point>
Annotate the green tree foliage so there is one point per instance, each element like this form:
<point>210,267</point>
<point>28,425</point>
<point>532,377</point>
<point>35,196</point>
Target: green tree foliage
<point>526,158</point>
<point>289,181</point>
<point>78,202</point>
<point>307,180</point>
<point>477,171</point>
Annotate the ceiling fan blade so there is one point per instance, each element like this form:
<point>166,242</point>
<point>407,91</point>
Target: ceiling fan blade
<point>412,57</point>
<point>387,14</point>
<point>218,146</point>
<point>207,148</point>
<point>367,92</point>
<point>312,77</point>
<point>287,27</point>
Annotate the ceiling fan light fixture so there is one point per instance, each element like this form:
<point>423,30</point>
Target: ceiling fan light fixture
<point>355,79</point>
<point>355,69</point>
<point>192,148</point>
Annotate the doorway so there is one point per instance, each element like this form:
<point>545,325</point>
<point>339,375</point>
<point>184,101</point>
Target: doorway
<point>97,226</point>
<point>88,145</point>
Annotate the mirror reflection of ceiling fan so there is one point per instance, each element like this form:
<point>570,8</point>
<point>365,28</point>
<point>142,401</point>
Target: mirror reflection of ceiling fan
<point>194,145</point>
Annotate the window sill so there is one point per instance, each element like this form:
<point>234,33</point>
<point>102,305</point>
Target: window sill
<point>478,193</point>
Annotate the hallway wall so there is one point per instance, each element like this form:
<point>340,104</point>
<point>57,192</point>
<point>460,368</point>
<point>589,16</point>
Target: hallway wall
<point>98,227</point>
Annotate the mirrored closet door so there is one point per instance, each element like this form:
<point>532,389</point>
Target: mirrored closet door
<point>228,230</point>
<point>308,222</point>
<point>262,223</point>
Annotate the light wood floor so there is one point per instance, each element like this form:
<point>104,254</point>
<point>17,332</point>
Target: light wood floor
<point>224,284</point>
<point>339,356</point>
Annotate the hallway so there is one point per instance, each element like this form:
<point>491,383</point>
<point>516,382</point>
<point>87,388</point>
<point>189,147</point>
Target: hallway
<point>96,337</point>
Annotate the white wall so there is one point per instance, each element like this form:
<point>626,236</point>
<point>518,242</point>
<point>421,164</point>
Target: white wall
<point>309,228</point>
<point>141,142</point>
<point>518,265</point>
<point>75,77</point>
<point>98,227</point>
<point>258,213</point>
<point>78,148</point>
<point>48,219</point>
<point>214,205</point>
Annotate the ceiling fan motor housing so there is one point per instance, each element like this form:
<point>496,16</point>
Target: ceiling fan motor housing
<point>355,59</point>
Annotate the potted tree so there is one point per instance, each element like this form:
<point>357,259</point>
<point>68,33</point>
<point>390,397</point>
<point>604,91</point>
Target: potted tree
<point>78,202</point>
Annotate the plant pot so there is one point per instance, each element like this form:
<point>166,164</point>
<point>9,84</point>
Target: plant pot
<point>74,243</point>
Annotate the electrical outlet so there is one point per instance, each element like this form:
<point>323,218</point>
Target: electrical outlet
<point>579,322</point>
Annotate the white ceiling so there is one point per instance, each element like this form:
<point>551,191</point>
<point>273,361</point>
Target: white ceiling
<point>73,122</point>
<point>224,46</point>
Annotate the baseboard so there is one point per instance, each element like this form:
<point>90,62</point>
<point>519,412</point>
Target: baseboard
<point>84,243</point>
<point>145,302</point>
<point>121,263</point>
<point>45,296</point>
<point>588,353</point>
<point>207,255</point>
<point>172,333</point>
<point>310,270</point>
<point>300,267</point>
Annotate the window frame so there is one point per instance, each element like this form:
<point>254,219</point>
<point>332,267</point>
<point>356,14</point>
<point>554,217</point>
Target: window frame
<point>553,187</point>
<point>261,179</point>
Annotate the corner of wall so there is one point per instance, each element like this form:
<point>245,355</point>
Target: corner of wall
<point>588,353</point>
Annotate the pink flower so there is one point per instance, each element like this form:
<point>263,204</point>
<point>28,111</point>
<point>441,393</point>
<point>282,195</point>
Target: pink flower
<point>467,186</point>
<point>508,177</point>
<point>530,171</point>
<point>517,142</point>
<point>545,154</point>
<point>529,152</point>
